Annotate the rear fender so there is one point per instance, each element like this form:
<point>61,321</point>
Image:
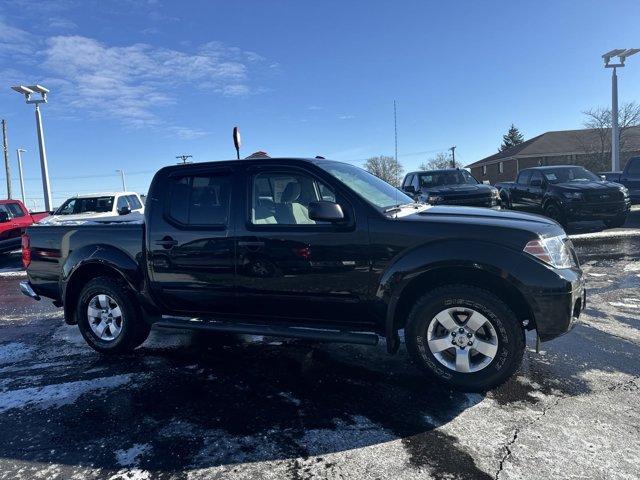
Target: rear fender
<point>93,260</point>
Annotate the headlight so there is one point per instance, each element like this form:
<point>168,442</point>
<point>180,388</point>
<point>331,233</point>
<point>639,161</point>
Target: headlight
<point>495,193</point>
<point>433,199</point>
<point>625,191</point>
<point>573,195</point>
<point>555,251</point>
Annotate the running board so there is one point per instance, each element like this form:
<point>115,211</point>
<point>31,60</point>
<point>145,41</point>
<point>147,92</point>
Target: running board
<point>319,334</point>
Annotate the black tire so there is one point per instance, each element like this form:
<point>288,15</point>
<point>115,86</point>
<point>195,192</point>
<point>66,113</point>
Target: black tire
<point>509,333</point>
<point>134,329</point>
<point>616,222</point>
<point>553,211</point>
<point>504,200</point>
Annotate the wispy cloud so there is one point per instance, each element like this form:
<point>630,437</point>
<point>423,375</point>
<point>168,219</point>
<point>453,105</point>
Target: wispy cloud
<point>346,117</point>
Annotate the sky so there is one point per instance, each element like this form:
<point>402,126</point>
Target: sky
<point>135,83</point>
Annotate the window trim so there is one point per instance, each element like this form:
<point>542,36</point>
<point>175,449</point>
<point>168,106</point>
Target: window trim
<point>221,227</point>
<point>250,174</point>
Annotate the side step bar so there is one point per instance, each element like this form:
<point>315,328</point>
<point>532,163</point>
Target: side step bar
<point>319,334</point>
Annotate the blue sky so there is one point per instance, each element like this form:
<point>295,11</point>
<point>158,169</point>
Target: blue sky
<point>134,83</point>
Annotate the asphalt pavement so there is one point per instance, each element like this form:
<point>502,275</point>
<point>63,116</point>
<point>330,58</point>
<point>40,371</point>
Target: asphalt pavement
<point>195,406</point>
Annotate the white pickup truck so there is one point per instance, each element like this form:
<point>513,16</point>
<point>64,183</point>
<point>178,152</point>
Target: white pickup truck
<point>97,206</point>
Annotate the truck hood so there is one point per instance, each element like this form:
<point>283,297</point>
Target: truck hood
<point>78,216</point>
<point>457,189</point>
<point>472,221</point>
<point>600,185</point>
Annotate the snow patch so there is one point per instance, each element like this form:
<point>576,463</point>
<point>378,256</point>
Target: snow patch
<point>13,352</point>
<point>133,474</point>
<point>57,395</point>
<point>131,456</point>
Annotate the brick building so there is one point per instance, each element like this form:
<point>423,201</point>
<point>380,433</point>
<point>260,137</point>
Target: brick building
<point>590,148</point>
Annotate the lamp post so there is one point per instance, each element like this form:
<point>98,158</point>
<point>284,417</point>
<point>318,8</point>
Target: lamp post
<point>622,55</point>
<point>28,92</point>
<point>20,151</point>
<point>124,184</point>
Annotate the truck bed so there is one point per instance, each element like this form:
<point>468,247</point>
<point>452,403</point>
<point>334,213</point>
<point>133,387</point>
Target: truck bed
<point>52,245</point>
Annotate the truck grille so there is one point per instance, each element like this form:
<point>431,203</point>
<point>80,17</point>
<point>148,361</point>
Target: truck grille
<point>604,196</point>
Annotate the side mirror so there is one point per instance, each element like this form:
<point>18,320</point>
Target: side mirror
<point>124,211</point>
<point>4,217</point>
<point>410,189</point>
<point>324,211</point>
<point>536,183</point>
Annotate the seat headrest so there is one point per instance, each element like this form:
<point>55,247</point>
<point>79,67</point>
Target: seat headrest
<point>291,192</point>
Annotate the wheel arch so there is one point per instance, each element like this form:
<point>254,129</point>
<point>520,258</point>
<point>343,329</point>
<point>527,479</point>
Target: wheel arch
<point>402,290</point>
<point>91,262</point>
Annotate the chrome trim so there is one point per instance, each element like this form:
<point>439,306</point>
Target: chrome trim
<point>25,288</point>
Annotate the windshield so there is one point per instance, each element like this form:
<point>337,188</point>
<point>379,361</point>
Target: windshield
<point>570,174</point>
<point>74,206</point>
<point>446,177</point>
<point>374,190</point>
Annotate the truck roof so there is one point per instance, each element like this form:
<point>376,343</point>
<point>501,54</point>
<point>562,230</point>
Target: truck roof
<point>10,200</point>
<point>102,194</point>
<point>253,161</point>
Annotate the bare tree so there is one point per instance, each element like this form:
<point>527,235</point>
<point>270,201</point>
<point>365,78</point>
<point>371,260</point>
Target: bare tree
<point>441,161</point>
<point>386,168</point>
<point>599,119</point>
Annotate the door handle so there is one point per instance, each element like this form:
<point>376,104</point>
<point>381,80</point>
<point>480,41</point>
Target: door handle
<point>167,242</point>
<point>255,244</point>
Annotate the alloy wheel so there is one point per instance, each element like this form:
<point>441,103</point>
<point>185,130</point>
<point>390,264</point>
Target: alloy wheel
<point>105,317</point>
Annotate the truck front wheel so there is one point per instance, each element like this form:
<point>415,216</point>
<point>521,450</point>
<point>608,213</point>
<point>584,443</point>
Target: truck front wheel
<point>108,317</point>
<point>466,337</point>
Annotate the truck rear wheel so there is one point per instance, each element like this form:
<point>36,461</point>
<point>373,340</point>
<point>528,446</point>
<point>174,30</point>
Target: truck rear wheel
<point>466,337</point>
<point>553,211</point>
<point>108,317</point>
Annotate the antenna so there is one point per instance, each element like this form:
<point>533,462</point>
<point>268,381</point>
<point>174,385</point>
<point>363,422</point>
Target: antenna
<point>395,127</point>
<point>184,158</point>
<point>237,142</point>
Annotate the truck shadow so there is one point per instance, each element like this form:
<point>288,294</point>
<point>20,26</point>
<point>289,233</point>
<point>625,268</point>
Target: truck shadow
<point>206,401</point>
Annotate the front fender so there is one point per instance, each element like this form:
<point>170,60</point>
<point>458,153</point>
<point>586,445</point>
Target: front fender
<point>440,255</point>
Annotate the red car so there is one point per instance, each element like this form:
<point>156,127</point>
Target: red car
<point>14,219</point>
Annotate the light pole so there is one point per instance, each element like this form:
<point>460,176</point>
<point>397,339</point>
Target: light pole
<point>124,184</point>
<point>622,55</point>
<point>20,151</point>
<point>27,92</point>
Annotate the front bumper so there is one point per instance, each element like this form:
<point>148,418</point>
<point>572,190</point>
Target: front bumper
<point>596,211</point>
<point>557,312</point>
<point>26,289</point>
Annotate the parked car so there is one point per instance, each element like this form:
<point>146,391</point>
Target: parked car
<point>629,177</point>
<point>14,219</point>
<point>315,249</point>
<point>97,205</point>
<point>567,193</point>
<point>449,187</point>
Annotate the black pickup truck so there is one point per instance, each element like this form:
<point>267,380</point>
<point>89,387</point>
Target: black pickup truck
<point>629,177</point>
<point>567,193</point>
<point>314,249</point>
<point>449,187</point>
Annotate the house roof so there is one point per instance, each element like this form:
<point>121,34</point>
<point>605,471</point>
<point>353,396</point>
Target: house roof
<point>563,142</point>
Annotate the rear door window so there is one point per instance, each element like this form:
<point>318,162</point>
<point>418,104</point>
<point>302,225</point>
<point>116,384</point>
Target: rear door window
<point>634,166</point>
<point>200,200</point>
<point>536,176</point>
<point>15,210</point>
<point>524,177</point>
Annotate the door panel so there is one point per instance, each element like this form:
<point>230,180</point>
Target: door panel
<point>192,245</point>
<point>292,267</point>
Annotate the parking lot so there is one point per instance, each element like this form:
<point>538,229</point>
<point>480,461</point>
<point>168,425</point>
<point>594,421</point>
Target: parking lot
<point>190,405</point>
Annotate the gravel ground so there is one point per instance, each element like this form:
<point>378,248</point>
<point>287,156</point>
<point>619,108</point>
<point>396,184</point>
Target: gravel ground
<point>200,406</point>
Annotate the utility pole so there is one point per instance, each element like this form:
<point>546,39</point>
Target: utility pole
<point>395,128</point>
<point>44,167</point>
<point>7,166</point>
<point>19,151</point>
<point>453,156</point>
<point>622,55</point>
<point>124,184</point>
<point>184,158</point>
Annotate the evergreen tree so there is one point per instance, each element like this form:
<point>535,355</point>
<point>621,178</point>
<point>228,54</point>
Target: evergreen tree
<point>512,138</point>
